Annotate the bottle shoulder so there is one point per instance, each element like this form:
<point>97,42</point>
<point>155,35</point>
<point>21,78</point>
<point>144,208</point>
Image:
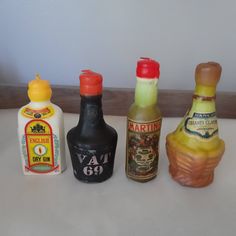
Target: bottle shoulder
<point>112,131</point>
<point>20,111</point>
<point>50,113</point>
<point>40,105</point>
<point>148,113</point>
<point>56,107</point>
<point>21,108</point>
<point>97,137</point>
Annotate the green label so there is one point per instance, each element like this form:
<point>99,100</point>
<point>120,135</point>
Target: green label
<point>203,125</point>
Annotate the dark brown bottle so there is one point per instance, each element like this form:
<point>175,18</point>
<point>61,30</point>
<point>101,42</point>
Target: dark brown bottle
<point>92,143</point>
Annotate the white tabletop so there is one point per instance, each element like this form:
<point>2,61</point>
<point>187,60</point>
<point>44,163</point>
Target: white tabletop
<point>61,205</point>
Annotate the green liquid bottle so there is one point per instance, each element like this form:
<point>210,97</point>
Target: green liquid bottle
<point>144,124</point>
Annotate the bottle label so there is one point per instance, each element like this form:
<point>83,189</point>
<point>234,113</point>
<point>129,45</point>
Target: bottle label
<point>93,165</point>
<point>202,125</point>
<point>40,147</point>
<point>38,114</point>
<point>142,149</point>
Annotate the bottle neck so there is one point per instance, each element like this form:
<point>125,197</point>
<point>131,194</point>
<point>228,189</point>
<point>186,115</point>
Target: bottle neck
<point>146,92</point>
<point>205,91</point>
<point>204,99</point>
<point>91,115</point>
<point>39,105</point>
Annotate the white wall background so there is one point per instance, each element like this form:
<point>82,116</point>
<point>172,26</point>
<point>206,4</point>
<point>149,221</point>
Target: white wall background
<point>58,38</point>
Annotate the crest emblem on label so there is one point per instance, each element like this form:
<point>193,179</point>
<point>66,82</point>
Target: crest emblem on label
<point>39,147</point>
<point>38,114</point>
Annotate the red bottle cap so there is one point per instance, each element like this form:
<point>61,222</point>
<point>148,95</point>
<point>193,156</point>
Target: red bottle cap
<point>148,68</point>
<point>90,83</point>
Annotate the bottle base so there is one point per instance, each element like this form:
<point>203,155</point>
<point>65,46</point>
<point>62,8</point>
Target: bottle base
<point>190,181</point>
<point>190,170</point>
<point>141,180</point>
<point>92,181</point>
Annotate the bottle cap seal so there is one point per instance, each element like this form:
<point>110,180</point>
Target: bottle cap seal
<point>39,90</point>
<point>147,68</point>
<point>208,74</point>
<point>90,83</point>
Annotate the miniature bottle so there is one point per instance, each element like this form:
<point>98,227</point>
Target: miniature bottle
<point>92,143</point>
<point>41,132</point>
<point>194,149</point>
<point>144,124</point>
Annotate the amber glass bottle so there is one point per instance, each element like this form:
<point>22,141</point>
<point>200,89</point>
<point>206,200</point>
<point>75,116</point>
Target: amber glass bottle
<point>92,143</point>
<point>144,124</point>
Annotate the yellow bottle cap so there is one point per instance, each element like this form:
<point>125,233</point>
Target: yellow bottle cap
<point>39,90</point>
